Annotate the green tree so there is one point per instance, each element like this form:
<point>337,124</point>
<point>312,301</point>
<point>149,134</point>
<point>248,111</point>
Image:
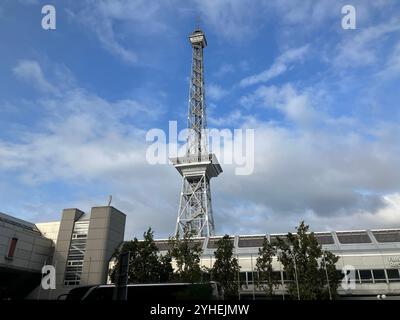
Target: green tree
<point>145,263</point>
<point>266,279</point>
<point>226,268</point>
<point>303,258</point>
<point>186,253</point>
<point>330,273</point>
<point>166,271</point>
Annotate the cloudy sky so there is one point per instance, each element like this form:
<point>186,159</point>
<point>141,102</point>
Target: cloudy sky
<point>76,103</point>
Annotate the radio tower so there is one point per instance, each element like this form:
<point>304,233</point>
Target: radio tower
<point>198,166</point>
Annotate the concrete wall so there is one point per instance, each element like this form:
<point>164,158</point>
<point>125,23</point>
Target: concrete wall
<point>32,249</point>
<point>21,273</point>
<point>106,232</point>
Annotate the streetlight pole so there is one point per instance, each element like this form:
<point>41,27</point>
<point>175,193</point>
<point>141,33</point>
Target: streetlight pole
<point>281,275</point>
<point>327,277</point>
<point>252,275</point>
<point>295,273</point>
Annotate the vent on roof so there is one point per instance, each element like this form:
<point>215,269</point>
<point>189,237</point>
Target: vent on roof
<point>353,237</point>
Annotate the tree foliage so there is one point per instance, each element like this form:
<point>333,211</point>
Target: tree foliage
<point>186,253</point>
<point>226,267</point>
<point>145,263</point>
<point>266,279</point>
<point>302,257</point>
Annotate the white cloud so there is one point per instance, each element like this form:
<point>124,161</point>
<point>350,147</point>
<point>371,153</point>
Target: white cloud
<point>280,66</point>
<point>28,2</point>
<point>224,69</point>
<point>91,143</point>
<point>308,13</point>
<point>301,174</point>
<point>215,92</point>
<point>363,48</point>
<point>235,118</point>
<point>392,66</point>
<point>304,172</point>
<point>81,138</point>
<point>232,20</point>
<point>388,215</point>
<point>30,71</point>
<point>296,106</point>
<point>312,175</point>
<point>117,22</point>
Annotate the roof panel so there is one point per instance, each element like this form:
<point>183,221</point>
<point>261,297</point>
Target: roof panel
<point>387,235</point>
<point>251,242</point>
<point>324,238</point>
<point>212,242</point>
<point>353,237</point>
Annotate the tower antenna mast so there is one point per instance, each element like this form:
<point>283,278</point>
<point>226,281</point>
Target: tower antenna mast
<point>198,166</point>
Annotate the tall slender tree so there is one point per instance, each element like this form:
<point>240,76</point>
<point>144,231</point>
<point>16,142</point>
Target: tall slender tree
<point>304,263</point>
<point>186,253</point>
<point>226,267</point>
<point>266,276</point>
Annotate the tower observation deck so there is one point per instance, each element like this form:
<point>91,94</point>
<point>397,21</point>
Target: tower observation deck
<point>198,166</point>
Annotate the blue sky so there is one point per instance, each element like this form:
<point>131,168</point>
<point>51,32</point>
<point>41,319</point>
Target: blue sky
<point>76,103</point>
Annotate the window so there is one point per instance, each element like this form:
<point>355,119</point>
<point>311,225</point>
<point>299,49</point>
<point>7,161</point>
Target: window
<point>250,277</point>
<point>11,249</point>
<point>255,276</point>
<point>365,276</point>
<point>76,253</point>
<point>101,294</point>
<point>276,275</point>
<point>242,277</point>
<point>393,275</point>
<point>286,279</point>
<point>379,275</point>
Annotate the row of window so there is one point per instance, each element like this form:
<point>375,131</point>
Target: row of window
<point>76,253</point>
<point>377,276</point>
<point>361,276</point>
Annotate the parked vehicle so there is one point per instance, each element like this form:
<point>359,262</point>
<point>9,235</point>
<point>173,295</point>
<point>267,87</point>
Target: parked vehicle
<point>149,291</point>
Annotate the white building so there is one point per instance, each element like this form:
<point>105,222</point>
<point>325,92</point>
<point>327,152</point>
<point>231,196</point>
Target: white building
<point>375,255</point>
<point>80,247</point>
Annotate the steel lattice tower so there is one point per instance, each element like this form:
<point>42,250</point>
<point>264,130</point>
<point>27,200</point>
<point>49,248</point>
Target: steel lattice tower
<point>197,167</point>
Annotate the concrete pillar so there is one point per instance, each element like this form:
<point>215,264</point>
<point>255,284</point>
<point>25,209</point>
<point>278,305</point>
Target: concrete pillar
<point>106,232</point>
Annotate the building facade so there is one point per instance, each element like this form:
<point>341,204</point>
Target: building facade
<point>23,252</point>
<point>79,246</point>
<point>374,254</point>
